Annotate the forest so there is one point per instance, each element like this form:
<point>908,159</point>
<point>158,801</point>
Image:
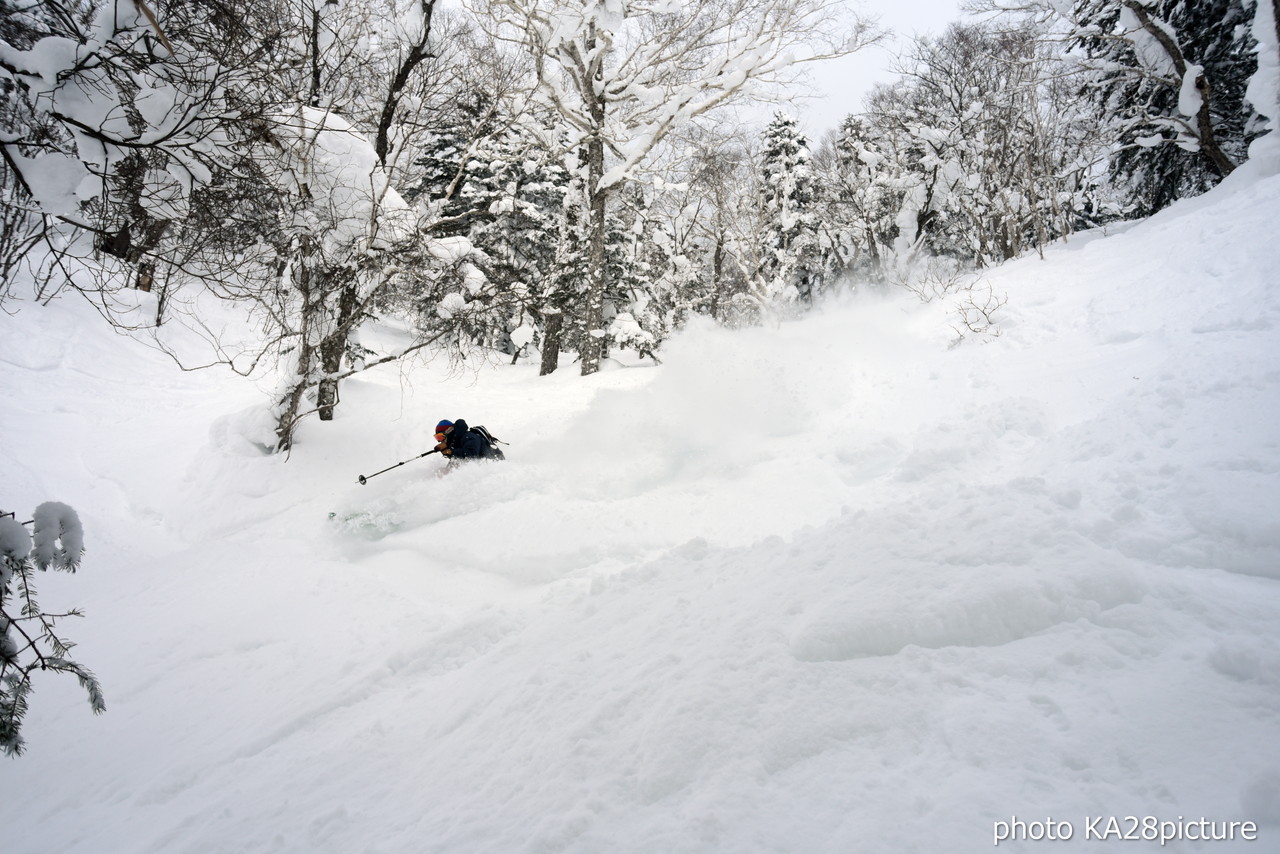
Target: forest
<point>535,178</point>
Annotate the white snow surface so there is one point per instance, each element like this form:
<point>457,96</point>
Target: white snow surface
<point>828,586</point>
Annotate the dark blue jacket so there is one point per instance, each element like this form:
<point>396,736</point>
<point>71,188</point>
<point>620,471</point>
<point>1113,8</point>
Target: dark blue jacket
<point>468,445</point>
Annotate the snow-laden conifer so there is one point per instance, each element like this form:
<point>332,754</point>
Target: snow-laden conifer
<point>790,268</point>
<point>29,639</point>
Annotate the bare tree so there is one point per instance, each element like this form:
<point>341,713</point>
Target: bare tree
<point>980,152</point>
<point>718,213</point>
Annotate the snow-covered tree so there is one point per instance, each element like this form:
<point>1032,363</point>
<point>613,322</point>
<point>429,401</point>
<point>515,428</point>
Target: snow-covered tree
<point>1023,150</point>
<point>29,637</point>
<point>1167,78</point>
<point>518,232</point>
<point>336,219</point>
<point>863,199</point>
<point>980,152</point>
<point>642,303</point>
<point>1173,83</point>
<point>566,286</point>
<point>109,120</point>
<point>319,235</point>
<point>623,74</point>
<point>790,269</point>
<point>502,186</point>
<point>717,223</point>
<point>249,153</point>
<point>454,158</point>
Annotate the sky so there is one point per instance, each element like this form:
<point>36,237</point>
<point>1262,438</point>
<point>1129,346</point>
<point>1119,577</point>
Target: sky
<point>836,88</point>
<point>840,85</point>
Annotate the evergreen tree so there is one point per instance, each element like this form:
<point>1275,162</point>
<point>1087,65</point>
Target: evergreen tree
<point>493,180</point>
<point>29,638</point>
<point>624,76</point>
<point>452,163</point>
<point>643,298</point>
<point>790,257</point>
<point>515,190</point>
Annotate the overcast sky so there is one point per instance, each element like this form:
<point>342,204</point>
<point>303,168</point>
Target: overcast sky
<point>841,84</point>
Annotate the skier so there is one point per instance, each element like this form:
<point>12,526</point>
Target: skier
<point>457,441</point>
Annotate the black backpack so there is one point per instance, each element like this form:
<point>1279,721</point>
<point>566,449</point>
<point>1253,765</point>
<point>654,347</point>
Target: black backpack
<point>494,441</point>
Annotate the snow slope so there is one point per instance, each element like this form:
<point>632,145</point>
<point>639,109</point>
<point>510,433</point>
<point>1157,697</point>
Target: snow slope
<point>826,587</point>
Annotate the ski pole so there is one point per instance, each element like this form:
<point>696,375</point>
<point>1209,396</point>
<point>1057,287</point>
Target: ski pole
<point>362,480</point>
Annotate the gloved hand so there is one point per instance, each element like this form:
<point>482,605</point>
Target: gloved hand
<point>444,449</point>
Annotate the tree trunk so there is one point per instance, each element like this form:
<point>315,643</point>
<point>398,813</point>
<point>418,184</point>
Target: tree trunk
<point>162,303</point>
<point>552,323</point>
<point>873,249</point>
<point>592,344</point>
<point>139,232</point>
<point>290,404</point>
<point>331,350</point>
<point>717,275</point>
<point>1204,119</point>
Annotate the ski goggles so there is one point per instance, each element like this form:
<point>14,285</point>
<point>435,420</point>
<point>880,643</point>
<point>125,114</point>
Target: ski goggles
<point>440,437</point>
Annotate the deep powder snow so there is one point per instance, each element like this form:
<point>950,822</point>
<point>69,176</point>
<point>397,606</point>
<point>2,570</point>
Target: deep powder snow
<point>833,585</point>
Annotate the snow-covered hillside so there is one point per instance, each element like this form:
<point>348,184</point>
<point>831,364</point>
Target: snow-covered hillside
<point>828,587</point>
